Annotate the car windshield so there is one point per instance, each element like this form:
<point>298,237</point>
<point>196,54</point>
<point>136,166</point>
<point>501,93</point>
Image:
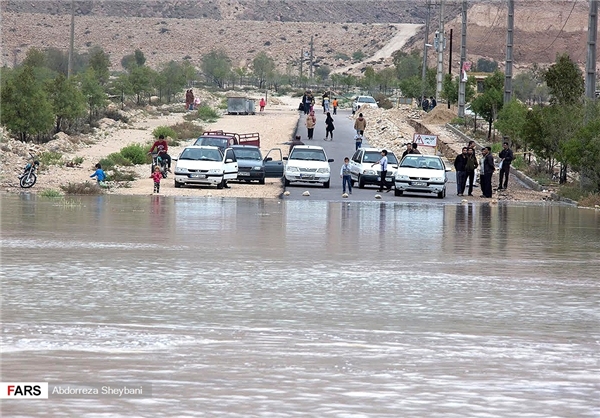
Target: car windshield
<point>421,162</point>
<point>203,154</point>
<point>374,156</point>
<point>307,154</point>
<point>247,154</point>
<point>366,100</point>
<point>212,142</point>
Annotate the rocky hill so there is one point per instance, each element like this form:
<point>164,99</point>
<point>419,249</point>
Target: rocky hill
<point>185,29</point>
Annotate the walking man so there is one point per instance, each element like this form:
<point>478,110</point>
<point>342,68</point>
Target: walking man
<point>506,156</point>
<point>383,162</point>
<point>487,170</point>
<point>360,124</point>
<point>335,105</point>
<point>460,164</point>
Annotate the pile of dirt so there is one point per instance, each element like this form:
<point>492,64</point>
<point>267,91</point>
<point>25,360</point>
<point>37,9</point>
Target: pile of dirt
<point>440,115</point>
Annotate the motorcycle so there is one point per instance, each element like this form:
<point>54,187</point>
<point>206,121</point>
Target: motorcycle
<point>28,177</point>
<point>161,162</point>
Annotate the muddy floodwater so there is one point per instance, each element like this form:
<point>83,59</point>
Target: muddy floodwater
<point>265,308</point>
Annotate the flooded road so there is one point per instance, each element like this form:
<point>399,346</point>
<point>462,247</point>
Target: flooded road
<point>252,308</point>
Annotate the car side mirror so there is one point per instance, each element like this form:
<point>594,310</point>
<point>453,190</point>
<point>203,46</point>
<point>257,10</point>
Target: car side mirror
<point>229,160</point>
<point>268,159</point>
<point>285,158</point>
<point>448,169</point>
<point>330,160</point>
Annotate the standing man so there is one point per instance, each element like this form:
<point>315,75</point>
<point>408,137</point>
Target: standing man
<point>487,170</point>
<point>460,164</point>
<point>383,162</point>
<point>311,121</point>
<point>407,151</point>
<point>335,105</point>
<point>360,124</point>
<point>413,149</point>
<point>471,166</point>
<point>506,156</point>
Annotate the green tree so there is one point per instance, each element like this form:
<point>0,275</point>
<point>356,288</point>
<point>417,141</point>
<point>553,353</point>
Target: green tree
<point>141,79</point>
<point>263,66</point>
<point>486,66</point>
<point>26,110</point>
<point>92,91</point>
<point>450,89</point>
<point>100,63</point>
<point>490,102</point>
<point>407,65</point>
<point>511,120</point>
<point>140,59</point>
<point>322,72</point>
<point>582,151</point>
<point>35,58</point>
<point>121,87</point>
<point>565,81</point>
<point>216,65</point>
<point>68,103</point>
<point>524,86</point>
<point>411,87</point>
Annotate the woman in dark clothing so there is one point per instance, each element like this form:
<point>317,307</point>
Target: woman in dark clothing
<point>329,126</point>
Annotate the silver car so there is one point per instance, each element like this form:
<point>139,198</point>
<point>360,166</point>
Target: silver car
<point>421,174</point>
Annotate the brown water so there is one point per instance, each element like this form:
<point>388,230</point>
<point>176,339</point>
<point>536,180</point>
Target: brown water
<point>250,308</point>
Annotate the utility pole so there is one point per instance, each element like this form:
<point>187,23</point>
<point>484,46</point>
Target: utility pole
<point>71,40</point>
<point>462,84</point>
<point>301,62</point>
<point>311,58</point>
<point>425,45</point>
<point>509,52</point>
<point>590,77</point>
<point>440,49</point>
<point>450,58</point>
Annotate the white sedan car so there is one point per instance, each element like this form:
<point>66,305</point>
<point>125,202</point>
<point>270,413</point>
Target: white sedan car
<point>421,174</point>
<point>200,164</point>
<point>307,164</point>
<point>361,101</point>
<point>362,170</point>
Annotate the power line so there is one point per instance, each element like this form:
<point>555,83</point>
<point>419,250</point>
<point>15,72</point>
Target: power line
<point>563,26</point>
<point>492,27</point>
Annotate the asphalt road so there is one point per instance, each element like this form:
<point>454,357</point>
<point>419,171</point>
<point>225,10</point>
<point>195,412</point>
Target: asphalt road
<point>343,146</point>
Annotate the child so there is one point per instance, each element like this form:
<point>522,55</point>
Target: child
<point>358,138</point>
<point>99,174</point>
<point>156,176</point>
<point>262,104</point>
<point>345,175</point>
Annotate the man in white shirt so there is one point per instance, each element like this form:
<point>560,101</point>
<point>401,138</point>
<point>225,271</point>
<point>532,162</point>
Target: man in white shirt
<point>383,162</point>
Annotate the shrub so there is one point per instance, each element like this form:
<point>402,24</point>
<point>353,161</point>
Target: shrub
<point>135,153</point>
<point>166,131</point>
<point>186,130</point>
<point>50,193</point>
<point>112,160</point>
<point>86,188</point>
<point>519,162</point>
<point>122,176</point>
<point>341,56</point>
<point>358,55</point>
<point>591,200</point>
<point>116,115</point>
<point>496,147</point>
<point>50,158</point>
<point>223,104</point>
<point>208,114</point>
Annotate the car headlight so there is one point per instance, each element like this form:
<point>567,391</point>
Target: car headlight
<point>181,170</point>
<point>323,170</point>
<point>257,168</point>
<point>215,171</point>
<point>294,169</point>
<point>370,172</point>
<point>437,179</point>
<point>402,177</point>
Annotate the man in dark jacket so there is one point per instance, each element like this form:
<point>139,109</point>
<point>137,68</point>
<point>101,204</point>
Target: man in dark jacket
<point>487,170</point>
<point>506,156</point>
<point>460,164</point>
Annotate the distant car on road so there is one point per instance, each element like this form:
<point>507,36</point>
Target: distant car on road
<point>205,165</point>
<point>252,165</point>
<point>361,101</point>
<point>421,174</point>
<point>362,170</point>
<point>308,164</point>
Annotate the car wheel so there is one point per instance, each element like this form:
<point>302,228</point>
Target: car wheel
<point>247,181</point>
<point>261,181</point>
<point>442,194</point>
<point>361,182</point>
<point>398,192</point>
<point>221,184</point>
<point>177,184</point>
<point>326,184</point>
<point>286,182</point>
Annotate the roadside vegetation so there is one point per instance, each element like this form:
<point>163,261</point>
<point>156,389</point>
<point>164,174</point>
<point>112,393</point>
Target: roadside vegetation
<point>553,129</point>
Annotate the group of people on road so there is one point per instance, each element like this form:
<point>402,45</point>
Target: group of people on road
<point>311,121</point>
<point>308,102</point>
<point>466,163</point>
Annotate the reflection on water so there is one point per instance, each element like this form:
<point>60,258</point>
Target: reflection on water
<point>235,307</point>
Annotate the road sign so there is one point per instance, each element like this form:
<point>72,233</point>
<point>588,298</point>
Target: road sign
<point>425,140</point>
